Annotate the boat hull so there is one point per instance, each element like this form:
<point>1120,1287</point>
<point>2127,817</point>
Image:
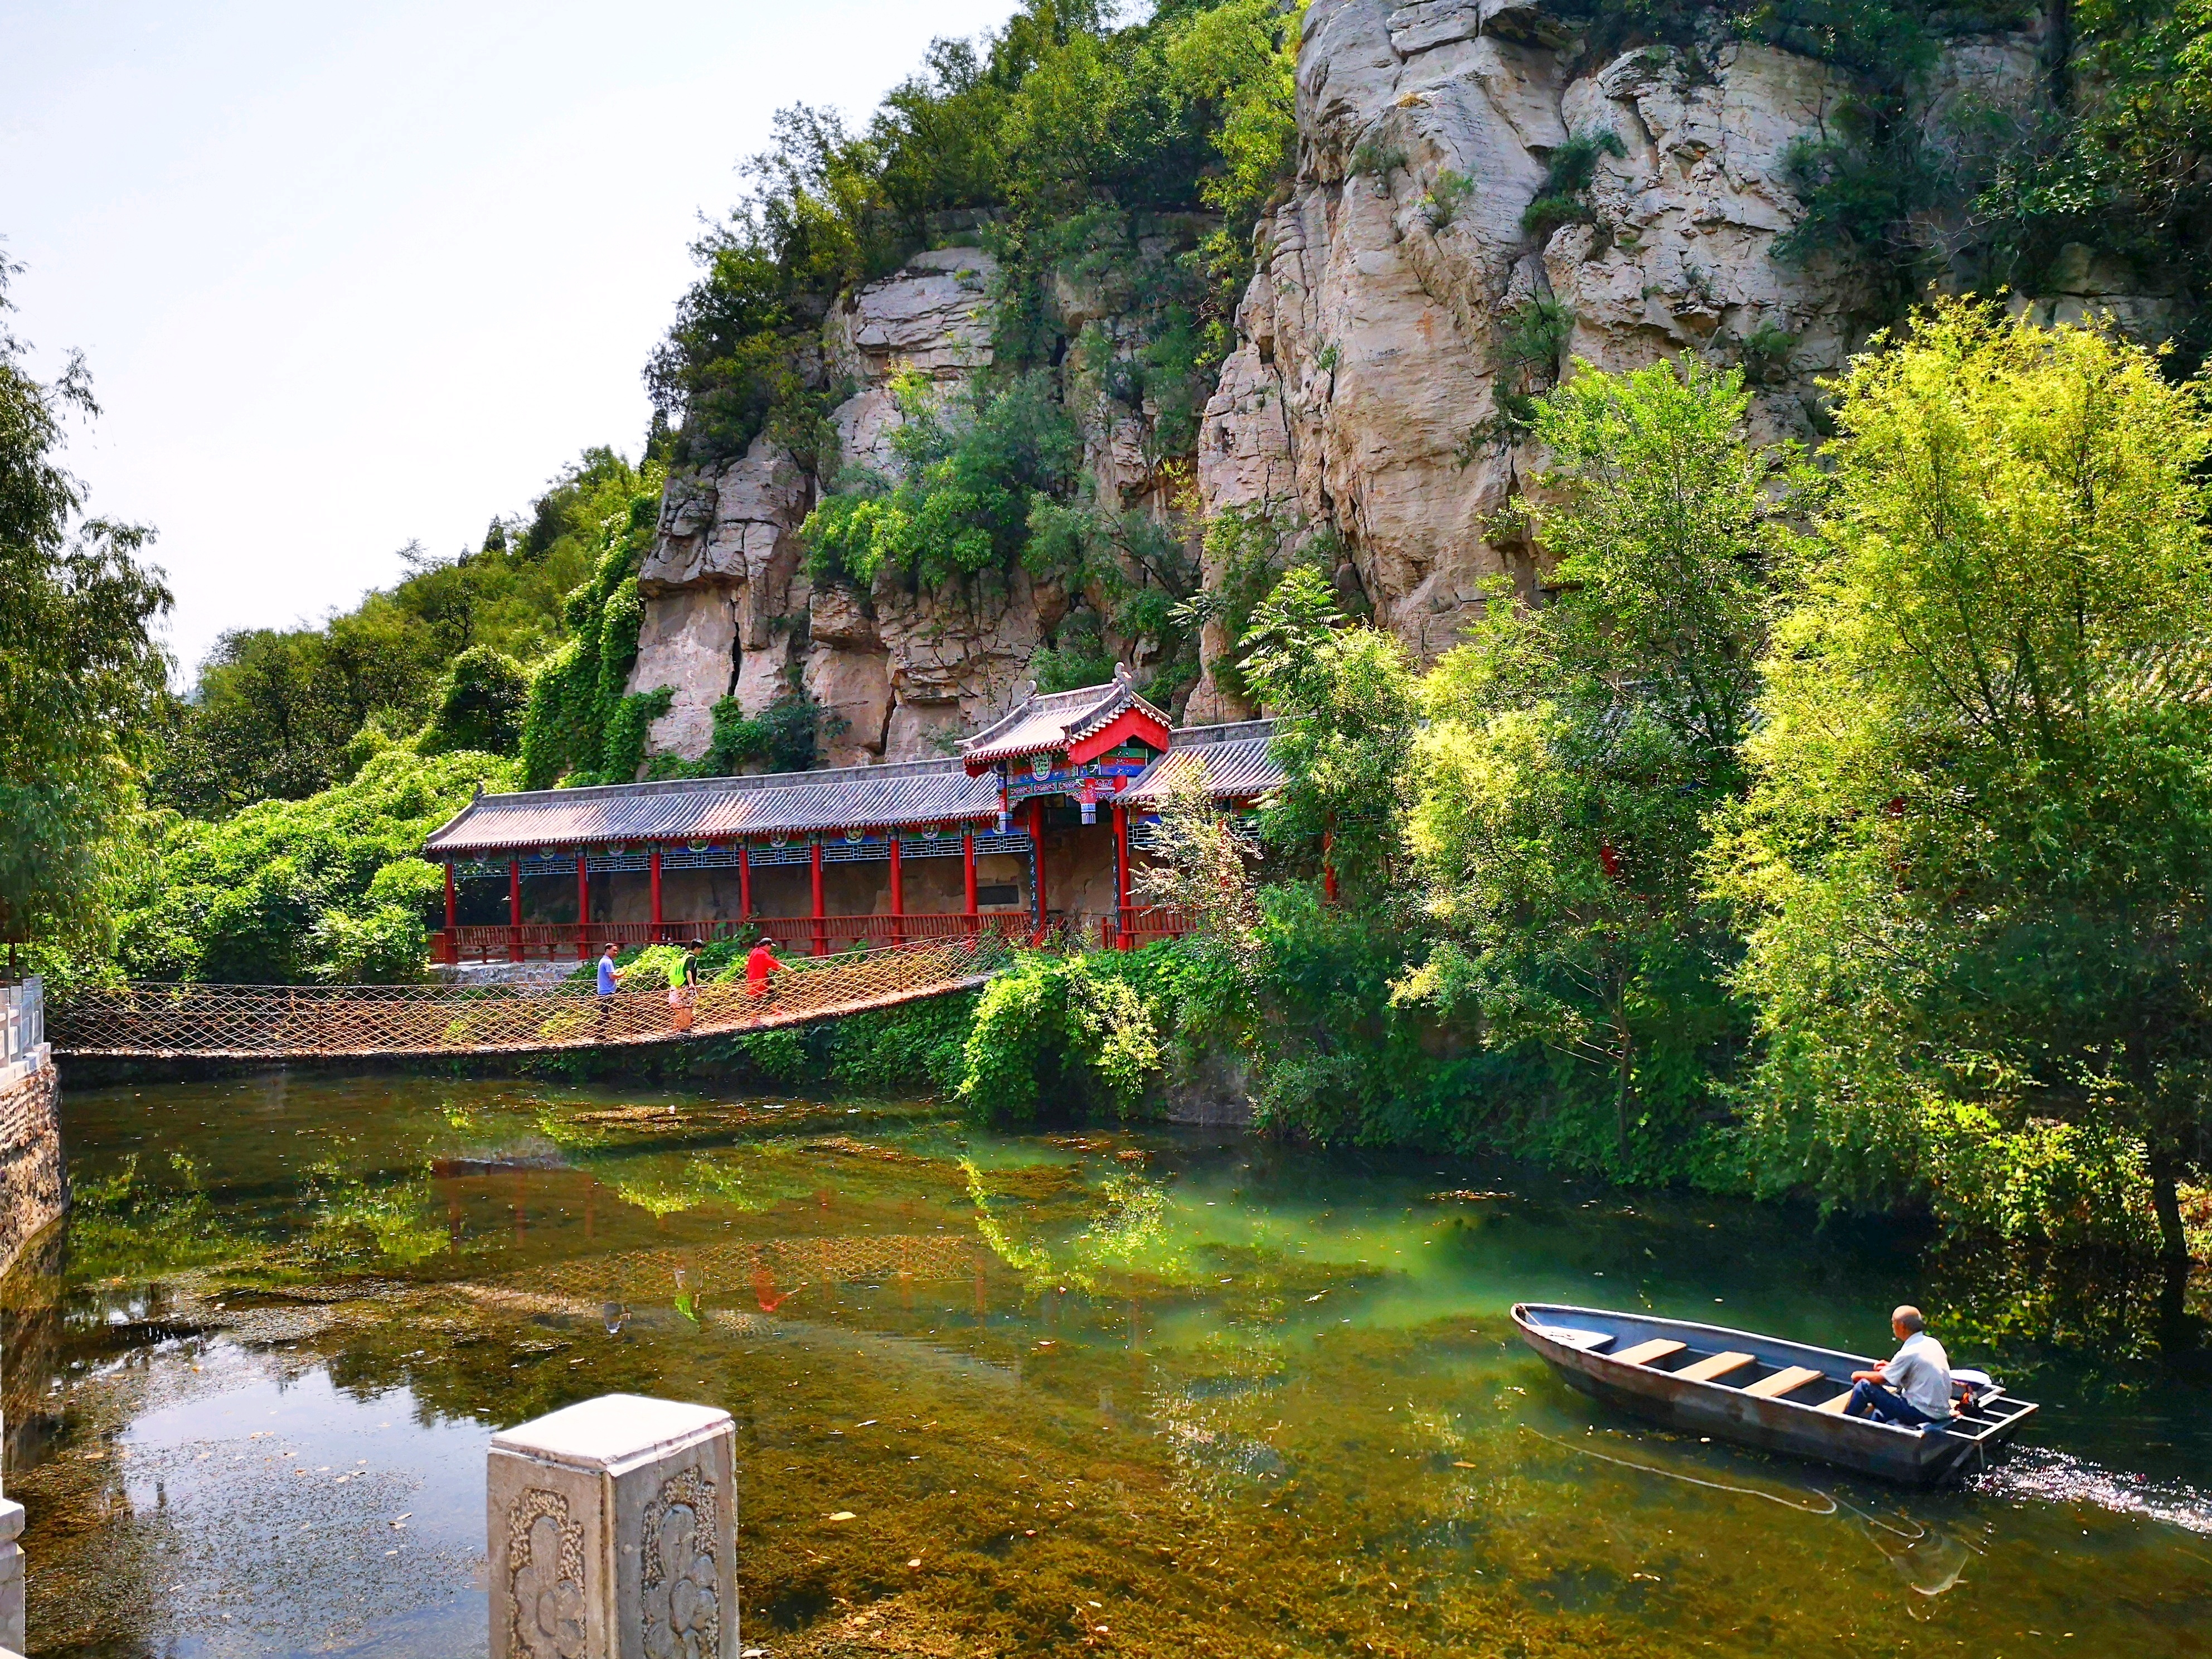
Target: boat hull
<point>1909,1456</point>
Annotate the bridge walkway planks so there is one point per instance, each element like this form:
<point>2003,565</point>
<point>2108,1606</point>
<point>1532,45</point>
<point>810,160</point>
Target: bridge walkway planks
<point>275,1023</point>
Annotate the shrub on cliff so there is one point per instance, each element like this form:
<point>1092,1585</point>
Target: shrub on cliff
<point>972,466</point>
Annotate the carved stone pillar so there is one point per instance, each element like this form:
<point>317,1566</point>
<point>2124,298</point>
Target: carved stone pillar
<point>613,1533</point>
<point>11,1577</point>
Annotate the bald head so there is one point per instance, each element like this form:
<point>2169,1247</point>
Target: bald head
<point>1907,1322</point>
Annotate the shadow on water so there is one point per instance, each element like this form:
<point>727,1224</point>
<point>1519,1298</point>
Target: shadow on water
<point>1139,1391</point>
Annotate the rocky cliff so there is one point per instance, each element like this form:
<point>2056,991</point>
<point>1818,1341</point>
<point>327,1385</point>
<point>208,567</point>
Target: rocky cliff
<point>730,612</point>
<point>1407,301</point>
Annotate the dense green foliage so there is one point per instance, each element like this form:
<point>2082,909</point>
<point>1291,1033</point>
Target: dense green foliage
<point>583,726</point>
<point>1574,752</point>
<point>973,470</point>
<point>781,738</point>
<point>80,672</point>
<point>1977,857</point>
<point>1840,833</point>
<point>1052,135</point>
<point>479,704</point>
<point>333,887</point>
<point>1068,1027</point>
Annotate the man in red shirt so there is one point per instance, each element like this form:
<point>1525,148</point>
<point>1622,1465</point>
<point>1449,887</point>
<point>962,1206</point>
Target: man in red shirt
<point>758,966</point>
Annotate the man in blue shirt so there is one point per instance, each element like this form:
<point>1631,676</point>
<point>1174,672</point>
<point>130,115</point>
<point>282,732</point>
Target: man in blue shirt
<point>608,975</point>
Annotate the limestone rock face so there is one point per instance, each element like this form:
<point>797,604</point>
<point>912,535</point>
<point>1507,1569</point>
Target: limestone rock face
<point>729,609</point>
<point>928,320</point>
<point>1399,313</point>
<point>1397,285</point>
<point>717,587</point>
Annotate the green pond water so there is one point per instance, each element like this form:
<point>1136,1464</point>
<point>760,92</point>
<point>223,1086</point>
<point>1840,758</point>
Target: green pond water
<point>1136,1392</point>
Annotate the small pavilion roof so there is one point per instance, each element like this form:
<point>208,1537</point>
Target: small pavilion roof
<point>1057,720</point>
<point>706,809</point>
<point>1232,761</point>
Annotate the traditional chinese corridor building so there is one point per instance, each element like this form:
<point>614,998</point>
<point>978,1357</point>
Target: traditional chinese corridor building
<point>1035,826</point>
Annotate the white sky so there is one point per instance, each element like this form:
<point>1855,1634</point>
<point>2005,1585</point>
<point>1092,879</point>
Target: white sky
<point>350,276</point>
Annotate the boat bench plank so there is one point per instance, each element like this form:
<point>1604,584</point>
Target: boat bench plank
<point>1782,1382</point>
<point>1836,1405</point>
<point>1644,1352</point>
<point>1719,1366</point>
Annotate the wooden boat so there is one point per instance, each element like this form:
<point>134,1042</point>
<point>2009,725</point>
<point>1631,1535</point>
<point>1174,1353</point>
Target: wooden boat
<point>1759,1391</point>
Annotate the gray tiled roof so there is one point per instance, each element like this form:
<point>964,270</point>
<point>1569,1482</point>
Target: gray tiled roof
<point>1238,766</point>
<point>700,809</point>
<point>1055,720</point>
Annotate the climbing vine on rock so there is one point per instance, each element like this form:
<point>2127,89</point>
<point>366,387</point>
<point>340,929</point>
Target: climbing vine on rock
<point>583,724</point>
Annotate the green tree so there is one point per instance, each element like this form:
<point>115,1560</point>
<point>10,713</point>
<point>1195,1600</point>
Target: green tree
<point>1976,857</point>
<point>973,465</point>
<point>480,704</point>
<point>80,671</point>
<point>1350,693</point>
<point>1575,749</point>
<point>583,724</point>
<point>284,713</point>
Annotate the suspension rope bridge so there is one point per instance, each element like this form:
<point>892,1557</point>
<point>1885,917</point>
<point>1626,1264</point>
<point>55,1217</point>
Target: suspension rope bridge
<point>143,1021</point>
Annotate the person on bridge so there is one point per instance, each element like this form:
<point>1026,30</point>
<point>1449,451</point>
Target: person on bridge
<point>608,974</point>
<point>759,966</point>
<point>684,996</point>
<point>1912,1389</point>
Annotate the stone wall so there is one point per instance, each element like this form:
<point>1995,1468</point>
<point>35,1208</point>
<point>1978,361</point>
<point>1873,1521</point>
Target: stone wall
<point>33,1186</point>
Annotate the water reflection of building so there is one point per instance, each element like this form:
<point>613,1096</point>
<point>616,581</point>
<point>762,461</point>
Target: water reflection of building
<point>1039,821</point>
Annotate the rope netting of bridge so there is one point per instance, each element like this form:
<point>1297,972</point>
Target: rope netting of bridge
<point>288,1022</point>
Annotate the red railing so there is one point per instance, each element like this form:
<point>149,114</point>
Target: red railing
<point>556,941</point>
<point>1142,923</point>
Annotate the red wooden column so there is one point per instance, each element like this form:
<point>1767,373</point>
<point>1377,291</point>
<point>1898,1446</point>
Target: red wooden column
<point>1121,875</point>
<point>452,919</point>
<point>744,881</point>
<point>968,869</point>
<point>1037,856</point>
<point>514,908</point>
<point>1328,866</point>
<point>583,908</point>
<point>821,934</point>
<point>898,895</point>
<point>656,896</point>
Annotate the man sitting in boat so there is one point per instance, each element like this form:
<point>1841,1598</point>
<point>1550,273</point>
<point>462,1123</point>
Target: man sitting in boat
<point>1912,1389</point>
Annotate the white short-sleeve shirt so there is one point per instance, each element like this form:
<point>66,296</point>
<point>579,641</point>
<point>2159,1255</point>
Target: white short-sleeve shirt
<point>1922,1373</point>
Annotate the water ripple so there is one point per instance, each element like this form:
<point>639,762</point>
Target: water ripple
<point>2058,1478</point>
